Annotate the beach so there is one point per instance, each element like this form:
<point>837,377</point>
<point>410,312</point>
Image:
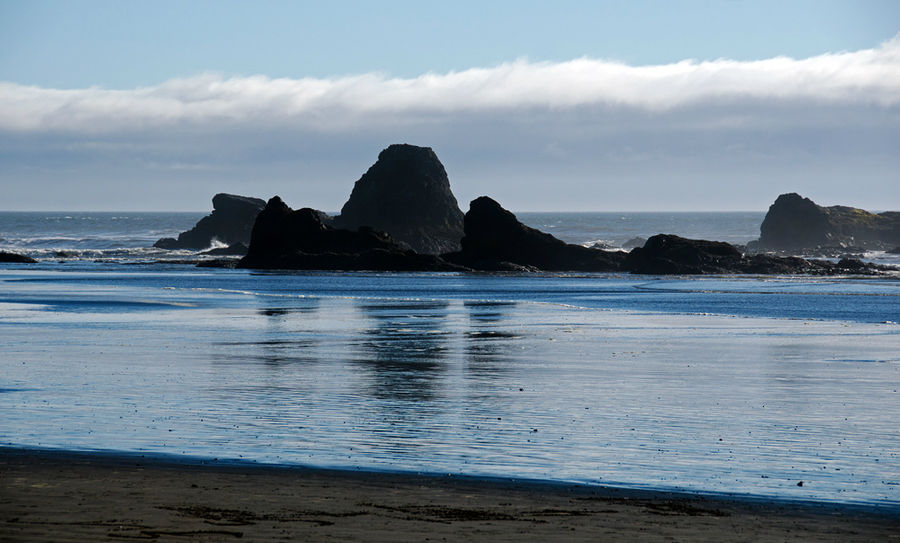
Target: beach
<point>155,400</point>
<point>66,496</point>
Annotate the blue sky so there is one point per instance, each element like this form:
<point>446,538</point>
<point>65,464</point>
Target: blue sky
<point>574,105</point>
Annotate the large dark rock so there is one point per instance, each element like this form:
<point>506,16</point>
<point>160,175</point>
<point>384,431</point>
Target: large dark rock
<point>283,238</point>
<point>406,193</point>
<point>795,224</point>
<point>230,223</point>
<point>14,258</point>
<point>669,254</point>
<point>666,254</point>
<point>496,240</point>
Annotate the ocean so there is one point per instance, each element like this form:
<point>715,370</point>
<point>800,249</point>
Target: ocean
<point>742,385</point>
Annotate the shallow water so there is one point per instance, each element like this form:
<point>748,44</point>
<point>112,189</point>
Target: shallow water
<point>742,385</point>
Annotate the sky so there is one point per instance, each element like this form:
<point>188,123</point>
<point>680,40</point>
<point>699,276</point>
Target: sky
<point>570,106</point>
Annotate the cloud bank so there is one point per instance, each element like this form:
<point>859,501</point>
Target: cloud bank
<point>584,134</point>
<point>868,77</point>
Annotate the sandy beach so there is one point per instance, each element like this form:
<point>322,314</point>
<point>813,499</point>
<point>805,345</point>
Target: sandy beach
<point>63,496</point>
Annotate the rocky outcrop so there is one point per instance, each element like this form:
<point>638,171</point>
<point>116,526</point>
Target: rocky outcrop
<point>666,254</point>
<point>230,222</point>
<point>283,238</point>
<point>794,224</point>
<point>669,254</point>
<point>406,193</point>
<point>496,240</point>
<point>14,258</point>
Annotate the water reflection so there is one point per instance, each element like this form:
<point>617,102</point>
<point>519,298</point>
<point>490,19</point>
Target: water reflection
<point>404,347</point>
<point>488,346</point>
<point>488,311</point>
<point>288,335</point>
<point>289,338</point>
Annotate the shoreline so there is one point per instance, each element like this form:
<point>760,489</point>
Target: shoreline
<point>88,496</point>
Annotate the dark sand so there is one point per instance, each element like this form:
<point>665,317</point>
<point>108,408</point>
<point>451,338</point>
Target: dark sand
<point>62,496</point>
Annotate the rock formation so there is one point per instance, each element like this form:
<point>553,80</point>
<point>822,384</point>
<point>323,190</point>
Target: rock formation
<point>666,254</point>
<point>283,238</point>
<point>794,223</point>
<point>496,240</point>
<point>669,254</point>
<point>14,258</point>
<point>406,193</point>
<point>230,223</point>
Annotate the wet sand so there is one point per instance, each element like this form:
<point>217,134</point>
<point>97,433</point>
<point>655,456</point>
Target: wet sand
<point>64,496</point>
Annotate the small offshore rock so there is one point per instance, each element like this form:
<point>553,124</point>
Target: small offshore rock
<point>798,225</point>
<point>14,258</point>
<point>230,222</point>
<point>667,254</point>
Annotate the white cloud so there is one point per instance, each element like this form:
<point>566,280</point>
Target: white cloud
<point>584,134</point>
<point>869,77</point>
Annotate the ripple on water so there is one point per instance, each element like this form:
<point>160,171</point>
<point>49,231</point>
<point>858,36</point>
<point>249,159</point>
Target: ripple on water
<point>499,388</point>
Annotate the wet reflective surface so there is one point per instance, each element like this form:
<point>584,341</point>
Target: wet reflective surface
<point>543,377</point>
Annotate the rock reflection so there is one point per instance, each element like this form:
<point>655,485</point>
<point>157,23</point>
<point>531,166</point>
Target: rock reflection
<point>488,346</point>
<point>405,347</point>
<point>286,337</point>
<point>298,306</point>
<point>488,311</point>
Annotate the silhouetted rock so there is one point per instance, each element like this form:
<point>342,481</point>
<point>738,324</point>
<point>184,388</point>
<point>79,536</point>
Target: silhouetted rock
<point>301,240</point>
<point>14,258</point>
<point>795,224</point>
<point>230,222</point>
<point>669,254</point>
<point>666,254</point>
<point>406,193</point>
<point>496,240</point>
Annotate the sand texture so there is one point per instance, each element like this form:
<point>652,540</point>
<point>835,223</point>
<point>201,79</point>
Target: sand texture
<point>59,496</point>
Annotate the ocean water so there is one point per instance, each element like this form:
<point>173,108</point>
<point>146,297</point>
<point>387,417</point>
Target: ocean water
<point>128,237</point>
<point>743,385</point>
<point>98,235</point>
<point>88,236</point>
<point>615,229</point>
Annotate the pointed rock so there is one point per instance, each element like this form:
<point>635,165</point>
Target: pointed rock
<point>406,193</point>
